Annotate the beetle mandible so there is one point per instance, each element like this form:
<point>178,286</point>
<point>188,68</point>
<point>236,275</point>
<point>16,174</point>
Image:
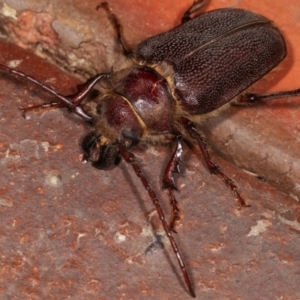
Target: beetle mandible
<point>166,85</point>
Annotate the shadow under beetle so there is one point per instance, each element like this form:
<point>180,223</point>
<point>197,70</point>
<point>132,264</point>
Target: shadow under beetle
<point>169,83</point>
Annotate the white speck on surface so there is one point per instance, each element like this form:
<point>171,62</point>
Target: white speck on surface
<point>14,63</point>
<point>260,227</point>
<point>80,235</point>
<point>297,186</point>
<point>53,180</point>
<point>6,202</point>
<point>50,80</point>
<point>147,231</point>
<point>8,11</point>
<point>75,175</point>
<point>119,237</point>
<point>45,146</point>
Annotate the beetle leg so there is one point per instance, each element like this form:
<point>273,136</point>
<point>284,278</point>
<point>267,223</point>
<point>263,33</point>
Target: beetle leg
<point>169,183</point>
<point>248,99</point>
<point>70,101</point>
<point>117,26</point>
<point>196,6</point>
<point>130,158</point>
<point>212,166</point>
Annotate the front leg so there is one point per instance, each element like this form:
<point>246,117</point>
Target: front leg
<point>72,101</point>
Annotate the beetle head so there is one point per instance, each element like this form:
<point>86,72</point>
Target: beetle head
<point>103,155</point>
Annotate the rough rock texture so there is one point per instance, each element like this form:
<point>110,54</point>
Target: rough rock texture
<point>69,231</point>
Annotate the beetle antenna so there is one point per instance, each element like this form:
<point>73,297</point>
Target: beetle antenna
<point>130,158</point>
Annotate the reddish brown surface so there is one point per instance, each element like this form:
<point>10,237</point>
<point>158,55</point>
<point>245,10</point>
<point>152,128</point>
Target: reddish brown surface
<point>70,231</point>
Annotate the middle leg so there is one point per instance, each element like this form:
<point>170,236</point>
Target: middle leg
<point>169,183</point>
<point>70,101</point>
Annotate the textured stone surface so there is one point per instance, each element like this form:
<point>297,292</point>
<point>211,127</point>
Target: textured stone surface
<point>68,231</point>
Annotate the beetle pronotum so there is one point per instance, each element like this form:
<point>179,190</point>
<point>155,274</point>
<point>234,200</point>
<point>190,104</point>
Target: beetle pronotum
<point>158,93</point>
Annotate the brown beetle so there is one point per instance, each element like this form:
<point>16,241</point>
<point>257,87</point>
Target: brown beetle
<point>158,93</point>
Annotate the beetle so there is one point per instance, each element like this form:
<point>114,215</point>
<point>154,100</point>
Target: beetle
<point>166,85</point>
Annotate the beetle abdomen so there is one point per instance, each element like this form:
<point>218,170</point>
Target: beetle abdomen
<point>218,55</point>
